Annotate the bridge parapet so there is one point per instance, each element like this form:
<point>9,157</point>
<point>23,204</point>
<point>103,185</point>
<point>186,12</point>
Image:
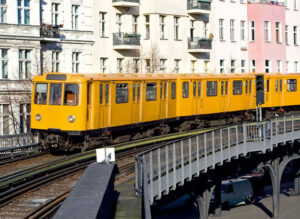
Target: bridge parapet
<point>163,169</point>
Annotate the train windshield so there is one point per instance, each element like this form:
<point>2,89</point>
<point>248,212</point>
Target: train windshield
<point>71,94</point>
<point>55,94</point>
<point>40,96</point>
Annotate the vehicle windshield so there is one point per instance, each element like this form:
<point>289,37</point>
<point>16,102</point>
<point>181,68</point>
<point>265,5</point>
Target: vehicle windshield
<point>71,94</point>
<point>40,96</point>
<point>55,94</point>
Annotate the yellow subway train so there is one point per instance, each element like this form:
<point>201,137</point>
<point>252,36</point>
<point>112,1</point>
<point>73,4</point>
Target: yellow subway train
<point>83,111</point>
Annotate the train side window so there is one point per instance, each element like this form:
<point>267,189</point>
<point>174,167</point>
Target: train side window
<point>173,90</point>
<point>276,86</point>
<point>211,88</point>
<point>250,86</point>
<point>165,90</point>
<point>237,87</point>
<point>246,90</point>
<point>226,87</point>
<point>185,89</point>
<point>71,94</point>
<point>40,96</point>
<point>101,93</point>
<point>199,89</point>
<point>291,85</point>
<point>280,85</point>
<point>133,91</point>
<point>268,85</point>
<point>106,93</point>
<point>194,89</point>
<point>222,87</point>
<point>55,94</point>
<point>138,92</point>
<point>161,90</point>
<point>150,91</point>
<point>122,93</point>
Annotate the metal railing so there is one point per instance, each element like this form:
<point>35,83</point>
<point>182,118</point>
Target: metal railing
<point>13,145</point>
<point>134,1</point>
<point>199,43</point>
<point>176,162</point>
<point>198,4</point>
<point>122,38</point>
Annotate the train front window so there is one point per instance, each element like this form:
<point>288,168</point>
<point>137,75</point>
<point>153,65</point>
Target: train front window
<point>55,94</point>
<point>71,94</point>
<point>40,96</point>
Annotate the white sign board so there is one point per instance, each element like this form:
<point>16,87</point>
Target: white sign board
<point>105,155</point>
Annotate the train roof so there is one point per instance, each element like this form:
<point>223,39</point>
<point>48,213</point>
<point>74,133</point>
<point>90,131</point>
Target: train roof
<point>55,76</point>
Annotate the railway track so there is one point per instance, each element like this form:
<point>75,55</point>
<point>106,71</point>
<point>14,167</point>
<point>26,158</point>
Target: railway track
<point>22,194</point>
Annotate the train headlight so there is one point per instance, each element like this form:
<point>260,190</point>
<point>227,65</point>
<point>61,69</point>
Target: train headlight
<point>38,117</point>
<point>71,118</point>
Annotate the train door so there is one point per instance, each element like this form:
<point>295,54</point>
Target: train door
<point>224,95</point>
<point>279,92</point>
<point>104,104</point>
<point>199,97</point>
<point>163,99</point>
<point>267,91</point>
<point>194,103</point>
<point>136,95</point>
<point>89,105</point>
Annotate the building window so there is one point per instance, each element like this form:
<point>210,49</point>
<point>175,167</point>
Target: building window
<point>243,66</point>
<point>232,66</point>
<point>102,22</point>
<point>162,26</point>
<point>24,118</point>
<point>23,11</point>
<point>120,65</point>
<point>147,23</point>
<point>176,65</point>
<point>147,65</point>
<point>243,30</point>
<point>267,33</point>
<point>55,14</point>
<point>134,23</point>
<point>222,66</point>
<point>4,119</point>
<point>295,28</point>
<point>75,62</point>
<point>267,66</point>
<point>162,67</point>
<point>221,29</point>
<point>55,61</point>
<point>295,67</point>
<point>24,64</point>
<point>3,8</point>
<point>192,30</point>
<point>103,65</point>
<point>193,63</point>
<point>279,66</point>
<point>75,16</point>
<point>119,22</point>
<point>253,65</point>
<point>4,63</point>
<point>287,66</point>
<point>232,30</point>
<point>278,32</point>
<point>176,28</point>
<point>286,34</point>
<point>295,4</point>
<point>205,30</point>
<point>136,65</point>
<point>252,30</point>
<point>206,66</point>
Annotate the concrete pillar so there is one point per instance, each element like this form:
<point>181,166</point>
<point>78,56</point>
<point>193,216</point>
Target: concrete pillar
<point>218,203</point>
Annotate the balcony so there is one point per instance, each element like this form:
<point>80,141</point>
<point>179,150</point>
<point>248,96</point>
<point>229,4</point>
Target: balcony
<point>198,6</point>
<point>126,3</point>
<point>125,41</point>
<point>199,45</point>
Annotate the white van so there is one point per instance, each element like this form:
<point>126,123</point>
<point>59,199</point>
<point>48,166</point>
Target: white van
<point>235,192</point>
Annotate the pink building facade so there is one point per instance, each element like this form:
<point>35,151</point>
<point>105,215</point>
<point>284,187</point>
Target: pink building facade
<point>266,39</point>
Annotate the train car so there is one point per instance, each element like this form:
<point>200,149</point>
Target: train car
<point>82,111</point>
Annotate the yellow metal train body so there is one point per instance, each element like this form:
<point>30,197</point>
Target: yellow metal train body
<point>81,111</point>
